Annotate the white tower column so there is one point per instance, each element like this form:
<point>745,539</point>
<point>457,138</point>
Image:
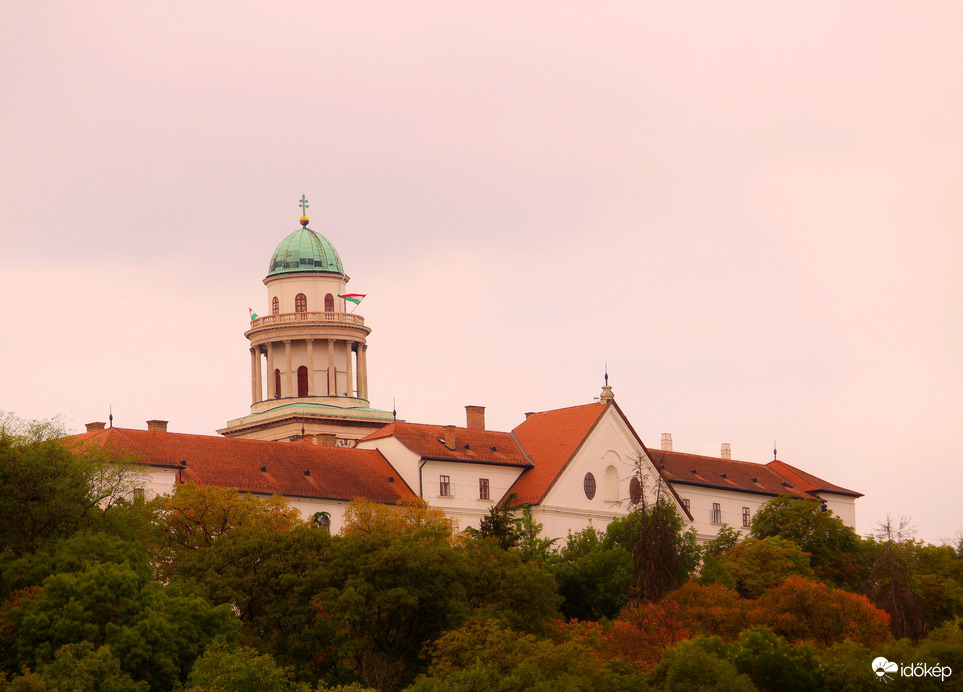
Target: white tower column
<point>332,374</point>
<point>255,375</point>
<point>349,349</point>
<point>310,367</point>
<point>362,371</point>
<point>272,383</point>
<point>289,384</point>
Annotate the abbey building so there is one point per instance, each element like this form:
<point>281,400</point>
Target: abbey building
<point>312,435</point>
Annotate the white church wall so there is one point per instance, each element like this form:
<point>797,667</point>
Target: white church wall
<point>402,459</point>
<point>464,501</point>
<point>843,506</point>
<point>609,446</point>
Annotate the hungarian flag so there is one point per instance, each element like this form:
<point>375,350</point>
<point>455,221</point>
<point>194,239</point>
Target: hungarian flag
<point>355,298</point>
<point>253,314</point>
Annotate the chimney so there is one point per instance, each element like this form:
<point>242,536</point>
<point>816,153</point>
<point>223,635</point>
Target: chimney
<point>726,451</point>
<point>157,426</point>
<point>476,417</point>
<point>666,442</point>
<point>450,437</point>
<point>529,414</point>
<point>327,439</point>
<point>91,427</point>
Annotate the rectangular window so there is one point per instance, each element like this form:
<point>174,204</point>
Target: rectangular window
<point>685,503</point>
<point>138,493</point>
<point>444,486</point>
<point>483,493</point>
<point>745,516</point>
<point>716,513</point>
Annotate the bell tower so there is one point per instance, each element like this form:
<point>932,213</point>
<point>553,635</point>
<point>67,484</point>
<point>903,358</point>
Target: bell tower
<point>309,364</point>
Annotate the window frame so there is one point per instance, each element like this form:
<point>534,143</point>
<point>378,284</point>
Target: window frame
<point>484,489</point>
<point>300,303</point>
<point>746,517</point>
<point>444,486</point>
<point>589,486</point>
<point>716,513</point>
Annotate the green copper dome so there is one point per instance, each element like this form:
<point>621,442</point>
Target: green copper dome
<point>305,251</point>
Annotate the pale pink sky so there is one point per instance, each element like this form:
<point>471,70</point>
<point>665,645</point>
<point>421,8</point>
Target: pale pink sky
<point>750,210</point>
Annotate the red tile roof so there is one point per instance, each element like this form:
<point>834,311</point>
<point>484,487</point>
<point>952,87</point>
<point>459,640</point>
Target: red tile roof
<point>551,439</point>
<point>807,481</point>
<point>336,473</point>
<point>727,474</point>
<point>471,445</point>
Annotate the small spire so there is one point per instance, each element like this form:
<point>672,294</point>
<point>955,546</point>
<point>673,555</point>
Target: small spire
<point>111,416</point>
<point>394,410</point>
<point>607,394</point>
<point>774,457</point>
<point>304,210</point>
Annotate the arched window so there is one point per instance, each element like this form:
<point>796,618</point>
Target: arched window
<point>589,485</point>
<point>275,306</point>
<point>277,383</point>
<point>302,381</point>
<point>612,484</point>
<point>329,303</point>
<point>300,303</point>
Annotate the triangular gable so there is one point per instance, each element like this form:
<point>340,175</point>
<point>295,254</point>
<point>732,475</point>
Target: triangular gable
<point>553,439</point>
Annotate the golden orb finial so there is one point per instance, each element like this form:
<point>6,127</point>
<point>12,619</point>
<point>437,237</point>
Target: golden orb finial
<point>304,221</point>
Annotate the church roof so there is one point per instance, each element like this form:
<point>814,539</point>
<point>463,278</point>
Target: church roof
<point>305,251</point>
<point>296,469</point>
<point>471,444</point>
<point>726,474</point>
<point>551,439</point>
<point>807,481</point>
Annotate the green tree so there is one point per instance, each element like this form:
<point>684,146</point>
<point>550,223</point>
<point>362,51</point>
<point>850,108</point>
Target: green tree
<point>594,577</point>
<point>269,578</point>
<point>50,491</point>
<point>892,583</point>
<point>755,566</point>
<point>700,664</point>
<point>487,656</point>
<point>834,548</point>
<point>221,669</point>
<point>663,552</point>
<point>155,633</point>
<point>772,664</point>
<point>79,667</point>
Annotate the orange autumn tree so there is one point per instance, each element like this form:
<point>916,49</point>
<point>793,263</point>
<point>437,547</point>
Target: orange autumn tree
<point>191,519</point>
<point>409,515</point>
<point>806,611</point>
<point>643,632</point>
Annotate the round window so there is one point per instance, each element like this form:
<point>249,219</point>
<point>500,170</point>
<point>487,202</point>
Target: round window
<point>589,485</point>
<point>635,490</point>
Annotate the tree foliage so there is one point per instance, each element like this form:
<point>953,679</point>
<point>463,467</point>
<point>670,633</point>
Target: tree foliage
<point>191,519</point>
<point>833,547</point>
<point>756,565</point>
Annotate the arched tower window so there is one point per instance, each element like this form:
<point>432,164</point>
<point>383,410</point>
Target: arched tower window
<point>277,383</point>
<point>302,381</point>
<point>300,303</point>
<point>329,303</point>
<point>275,306</point>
